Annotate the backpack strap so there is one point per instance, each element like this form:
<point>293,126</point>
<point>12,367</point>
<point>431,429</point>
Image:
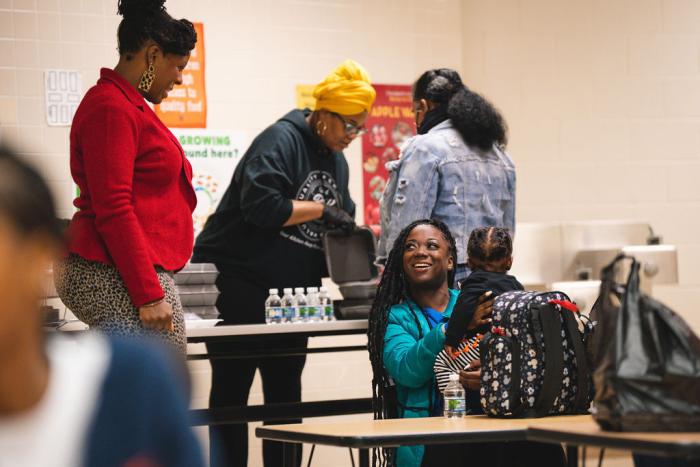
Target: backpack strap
<point>583,371</point>
<point>547,316</point>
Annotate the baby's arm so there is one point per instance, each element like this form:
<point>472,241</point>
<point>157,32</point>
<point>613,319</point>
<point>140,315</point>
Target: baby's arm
<point>461,316</point>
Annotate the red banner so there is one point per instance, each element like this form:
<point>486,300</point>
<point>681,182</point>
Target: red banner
<point>390,123</point>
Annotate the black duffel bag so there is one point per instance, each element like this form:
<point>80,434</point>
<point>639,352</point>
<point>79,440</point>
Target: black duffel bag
<point>647,360</point>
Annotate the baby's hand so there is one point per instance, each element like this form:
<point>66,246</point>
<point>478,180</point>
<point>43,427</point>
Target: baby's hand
<point>451,351</point>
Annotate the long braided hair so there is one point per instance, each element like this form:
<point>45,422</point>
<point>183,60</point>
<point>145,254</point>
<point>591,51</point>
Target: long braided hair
<point>393,289</point>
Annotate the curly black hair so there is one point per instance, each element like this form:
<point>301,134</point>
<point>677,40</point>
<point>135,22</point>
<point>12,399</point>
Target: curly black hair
<point>490,244</point>
<point>393,289</point>
<point>479,123</point>
<point>148,19</point>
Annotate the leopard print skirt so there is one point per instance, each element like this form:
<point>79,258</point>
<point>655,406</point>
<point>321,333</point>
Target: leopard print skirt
<point>97,296</point>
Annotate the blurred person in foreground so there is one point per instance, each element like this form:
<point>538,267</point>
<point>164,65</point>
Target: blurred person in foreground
<point>79,401</point>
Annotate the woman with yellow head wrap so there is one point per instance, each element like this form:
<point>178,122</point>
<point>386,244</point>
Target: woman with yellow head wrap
<point>290,186</point>
<point>343,101</point>
<point>346,91</point>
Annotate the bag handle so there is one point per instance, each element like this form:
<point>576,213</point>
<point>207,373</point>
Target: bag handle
<point>608,273</point>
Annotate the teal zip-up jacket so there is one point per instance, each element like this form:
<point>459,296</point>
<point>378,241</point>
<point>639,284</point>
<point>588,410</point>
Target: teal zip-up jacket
<point>409,360</point>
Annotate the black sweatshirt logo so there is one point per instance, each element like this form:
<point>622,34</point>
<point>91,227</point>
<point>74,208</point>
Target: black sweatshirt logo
<point>320,187</point>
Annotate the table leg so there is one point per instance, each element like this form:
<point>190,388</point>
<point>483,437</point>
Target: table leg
<point>364,457</point>
<point>290,454</point>
<point>571,455</point>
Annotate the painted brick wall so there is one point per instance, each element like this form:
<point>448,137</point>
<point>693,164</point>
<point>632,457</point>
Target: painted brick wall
<point>603,102</point>
<point>256,52</point>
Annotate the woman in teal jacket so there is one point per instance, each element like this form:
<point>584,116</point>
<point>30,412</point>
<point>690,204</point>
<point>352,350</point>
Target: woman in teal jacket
<point>407,329</point>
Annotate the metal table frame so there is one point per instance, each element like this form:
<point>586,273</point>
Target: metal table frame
<point>281,411</point>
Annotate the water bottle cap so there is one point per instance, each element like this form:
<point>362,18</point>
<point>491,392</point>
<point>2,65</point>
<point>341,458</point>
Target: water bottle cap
<point>287,290</point>
<point>312,290</point>
<point>274,291</point>
<point>324,290</point>
<point>299,290</point>
<point>454,377</point>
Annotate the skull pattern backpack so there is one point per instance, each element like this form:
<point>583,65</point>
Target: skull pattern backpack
<point>534,361</point>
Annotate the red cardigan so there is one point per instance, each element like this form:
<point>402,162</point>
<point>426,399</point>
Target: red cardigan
<point>136,197</point>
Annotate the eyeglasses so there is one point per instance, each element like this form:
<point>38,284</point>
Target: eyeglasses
<point>350,128</point>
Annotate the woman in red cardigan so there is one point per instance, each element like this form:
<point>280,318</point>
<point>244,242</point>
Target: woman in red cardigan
<point>133,227</point>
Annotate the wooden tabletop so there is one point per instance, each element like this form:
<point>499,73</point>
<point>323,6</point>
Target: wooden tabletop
<point>587,432</point>
<point>437,430</point>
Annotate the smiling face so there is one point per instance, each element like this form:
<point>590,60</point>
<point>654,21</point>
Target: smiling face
<point>338,131</point>
<point>427,259</point>
<point>168,73</point>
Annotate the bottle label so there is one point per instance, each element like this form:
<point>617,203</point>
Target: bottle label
<point>313,311</point>
<point>456,405</point>
<point>288,313</point>
<point>303,312</point>
<point>273,314</point>
<point>328,310</point>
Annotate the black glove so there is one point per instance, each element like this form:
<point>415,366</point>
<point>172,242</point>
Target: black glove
<point>335,217</point>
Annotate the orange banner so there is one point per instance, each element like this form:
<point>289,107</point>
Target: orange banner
<point>186,105</point>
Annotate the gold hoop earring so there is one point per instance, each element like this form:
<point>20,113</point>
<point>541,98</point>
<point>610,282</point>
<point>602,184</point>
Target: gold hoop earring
<point>321,131</point>
<point>147,78</point>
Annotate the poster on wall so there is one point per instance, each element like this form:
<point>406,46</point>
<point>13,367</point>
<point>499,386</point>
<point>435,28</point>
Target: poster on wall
<point>63,91</point>
<point>305,96</point>
<point>213,155</point>
<point>389,125</point>
<point>186,105</point>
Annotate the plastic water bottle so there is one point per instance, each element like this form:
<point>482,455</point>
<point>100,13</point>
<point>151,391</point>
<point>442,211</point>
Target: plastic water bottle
<point>314,304</point>
<point>326,305</point>
<point>300,305</point>
<point>273,308</point>
<point>455,404</point>
<point>288,309</point>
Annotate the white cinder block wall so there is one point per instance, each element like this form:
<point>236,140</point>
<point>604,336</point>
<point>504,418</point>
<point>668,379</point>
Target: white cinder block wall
<point>256,52</point>
<point>603,102</point>
<point>602,98</point>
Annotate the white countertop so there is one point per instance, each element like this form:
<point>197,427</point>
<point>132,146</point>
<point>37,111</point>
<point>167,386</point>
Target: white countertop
<point>257,329</point>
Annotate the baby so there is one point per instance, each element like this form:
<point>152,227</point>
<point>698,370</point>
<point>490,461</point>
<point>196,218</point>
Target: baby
<point>490,253</point>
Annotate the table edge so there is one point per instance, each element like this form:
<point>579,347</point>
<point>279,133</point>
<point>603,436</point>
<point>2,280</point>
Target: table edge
<point>372,441</point>
<point>674,449</point>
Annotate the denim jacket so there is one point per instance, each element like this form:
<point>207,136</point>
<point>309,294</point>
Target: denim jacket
<point>439,176</point>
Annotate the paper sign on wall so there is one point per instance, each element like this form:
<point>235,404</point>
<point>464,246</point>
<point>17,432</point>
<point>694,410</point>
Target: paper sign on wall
<point>186,105</point>
<point>305,96</point>
<point>63,93</point>
<point>214,155</point>
<point>390,123</point>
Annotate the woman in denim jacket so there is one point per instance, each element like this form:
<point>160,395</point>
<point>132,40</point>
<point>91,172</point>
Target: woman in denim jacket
<point>454,170</point>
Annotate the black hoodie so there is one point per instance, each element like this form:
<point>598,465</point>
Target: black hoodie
<point>245,235</point>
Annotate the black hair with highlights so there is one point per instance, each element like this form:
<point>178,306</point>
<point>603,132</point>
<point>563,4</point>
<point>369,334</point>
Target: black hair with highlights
<point>394,289</point>
<point>490,244</point>
<point>478,122</point>
<point>148,19</point>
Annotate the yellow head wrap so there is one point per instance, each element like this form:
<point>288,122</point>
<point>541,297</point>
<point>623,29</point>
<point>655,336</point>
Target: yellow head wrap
<point>347,90</point>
